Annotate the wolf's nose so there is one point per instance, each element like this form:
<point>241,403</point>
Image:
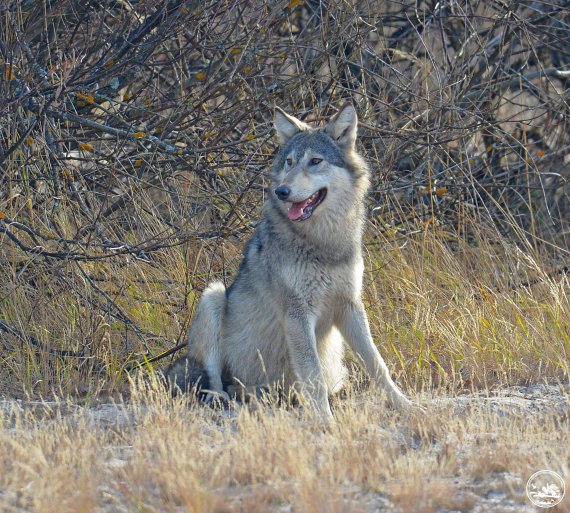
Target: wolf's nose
<point>282,192</point>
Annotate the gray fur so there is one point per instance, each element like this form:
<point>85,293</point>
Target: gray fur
<point>297,295</point>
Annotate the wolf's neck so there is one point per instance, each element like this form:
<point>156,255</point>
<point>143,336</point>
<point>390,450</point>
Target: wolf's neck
<point>336,238</point>
<point>340,237</point>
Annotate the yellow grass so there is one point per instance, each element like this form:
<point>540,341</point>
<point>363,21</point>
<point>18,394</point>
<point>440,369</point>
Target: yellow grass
<point>159,454</point>
<point>445,313</point>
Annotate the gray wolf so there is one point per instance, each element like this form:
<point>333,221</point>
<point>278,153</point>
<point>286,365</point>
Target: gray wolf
<point>297,296</point>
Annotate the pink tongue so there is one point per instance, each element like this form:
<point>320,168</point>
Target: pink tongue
<point>296,210</point>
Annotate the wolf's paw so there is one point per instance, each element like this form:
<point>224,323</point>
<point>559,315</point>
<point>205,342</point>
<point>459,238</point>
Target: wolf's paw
<point>217,399</point>
<point>408,408</point>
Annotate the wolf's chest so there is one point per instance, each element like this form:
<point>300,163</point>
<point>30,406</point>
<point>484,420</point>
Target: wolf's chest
<point>323,286</point>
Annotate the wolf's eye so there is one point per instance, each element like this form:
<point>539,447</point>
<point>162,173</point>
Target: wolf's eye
<point>289,162</point>
<point>315,161</point>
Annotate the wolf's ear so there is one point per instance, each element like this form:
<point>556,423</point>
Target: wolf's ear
<point>343,127</point>
<point>287,126</point>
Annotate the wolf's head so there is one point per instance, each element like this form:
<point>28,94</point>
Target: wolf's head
<point>318,169</point>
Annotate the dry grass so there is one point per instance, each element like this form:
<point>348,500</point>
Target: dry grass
<point>475,314</point>
<point>466,314</point>
<point>134,145</point>
<point>447,321</point>
<point>159,454</point>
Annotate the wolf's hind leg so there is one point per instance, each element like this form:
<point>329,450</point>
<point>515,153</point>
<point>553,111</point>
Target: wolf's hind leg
<point>186,375</point>
<point>204,339</point>
<point>247,393</point>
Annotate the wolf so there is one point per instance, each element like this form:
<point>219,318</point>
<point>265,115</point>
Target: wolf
<point>296,299</point>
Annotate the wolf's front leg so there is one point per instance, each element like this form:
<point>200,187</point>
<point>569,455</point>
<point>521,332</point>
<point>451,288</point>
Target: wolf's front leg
<point>353,325</point>
<point>300,336</point>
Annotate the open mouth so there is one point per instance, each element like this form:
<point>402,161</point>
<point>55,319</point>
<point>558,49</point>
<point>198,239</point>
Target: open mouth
<point>302,210</point>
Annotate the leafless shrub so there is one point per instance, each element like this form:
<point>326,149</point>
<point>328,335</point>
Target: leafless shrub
<point>135,137</point>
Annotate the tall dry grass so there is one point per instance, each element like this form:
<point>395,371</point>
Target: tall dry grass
<point>477,314</point>
<point>480,315</point>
